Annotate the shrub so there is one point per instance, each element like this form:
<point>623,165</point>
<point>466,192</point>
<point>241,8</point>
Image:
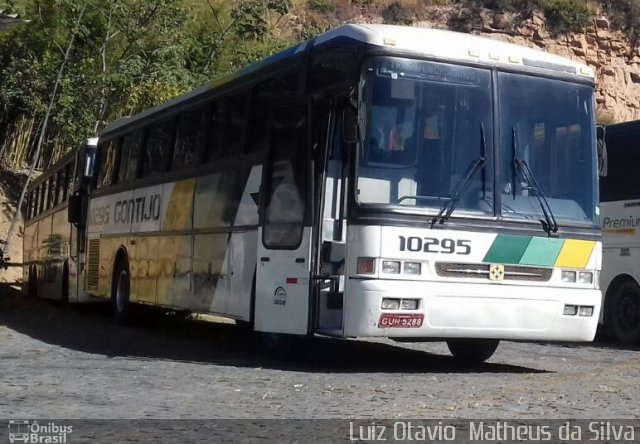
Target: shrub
<point>322,6</point>
<point>567,15</point>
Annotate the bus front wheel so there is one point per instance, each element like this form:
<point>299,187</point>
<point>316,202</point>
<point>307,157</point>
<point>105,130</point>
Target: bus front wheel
<point>624,313</point>
<point>472,350</point>
<point>120,294</point>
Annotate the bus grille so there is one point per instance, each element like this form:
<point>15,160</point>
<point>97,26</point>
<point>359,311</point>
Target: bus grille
<point>478,271</point>
<point>93,264</point>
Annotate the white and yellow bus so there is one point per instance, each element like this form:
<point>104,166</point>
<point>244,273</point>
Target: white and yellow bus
<point>620,196</point>
<point>375,181</point>
<point>53,249</point>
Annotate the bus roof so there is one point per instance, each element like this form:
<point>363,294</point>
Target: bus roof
<point>424,41</point>
<point>632,126</point>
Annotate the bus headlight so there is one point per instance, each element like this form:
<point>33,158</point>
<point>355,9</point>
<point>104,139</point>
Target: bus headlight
<point>568,276</point>
<point>391,267</point>
<point>585,277</point>
<point>409,304</point>
<point>390,304</point>
<point>585,310</point>
<point>412,268</point>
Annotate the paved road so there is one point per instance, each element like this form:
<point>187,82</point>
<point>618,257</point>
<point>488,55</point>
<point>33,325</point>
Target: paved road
<point>73,362</point>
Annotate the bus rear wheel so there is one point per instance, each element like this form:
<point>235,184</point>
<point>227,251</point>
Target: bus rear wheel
<point>624,313</point>
<point>472,350</point>
<point>120,293</point>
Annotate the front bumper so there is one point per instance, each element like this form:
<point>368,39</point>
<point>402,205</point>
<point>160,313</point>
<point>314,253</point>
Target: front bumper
<point>464,310</point>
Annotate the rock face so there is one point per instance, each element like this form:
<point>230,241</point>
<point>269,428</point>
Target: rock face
<point>615,59</point>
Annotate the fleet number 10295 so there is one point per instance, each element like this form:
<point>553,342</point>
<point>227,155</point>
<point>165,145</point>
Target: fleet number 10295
<point>434,245</point>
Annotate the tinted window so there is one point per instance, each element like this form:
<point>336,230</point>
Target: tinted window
<point>36,202</point>
<point>130,153</point>
<point>188,139</point>
<point>259,121</point>
<point>227,125</point>
<point>107,152</point>
<point>69,185</point>
<point>157,150</point>
<point>286,182</point>
<point>52,192</point>
<point>549,147</point>
<point>622,182</point>
<point>61,186</point>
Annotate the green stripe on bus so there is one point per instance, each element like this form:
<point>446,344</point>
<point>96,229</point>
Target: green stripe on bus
<point>542,252</point>
<point>507,249</point>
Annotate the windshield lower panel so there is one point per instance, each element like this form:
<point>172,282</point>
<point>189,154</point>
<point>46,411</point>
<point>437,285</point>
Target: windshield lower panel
<point>426,125</point>
<point>549,125</point>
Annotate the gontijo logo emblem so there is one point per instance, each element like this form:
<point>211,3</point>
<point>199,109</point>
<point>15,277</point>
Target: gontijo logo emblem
<point>496,272</point>
<point>32,432</point>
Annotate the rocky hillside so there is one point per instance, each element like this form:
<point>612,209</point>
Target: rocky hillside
<point>615,59</point>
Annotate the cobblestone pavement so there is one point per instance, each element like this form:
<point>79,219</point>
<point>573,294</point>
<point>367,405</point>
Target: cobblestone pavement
<point>74,362</point>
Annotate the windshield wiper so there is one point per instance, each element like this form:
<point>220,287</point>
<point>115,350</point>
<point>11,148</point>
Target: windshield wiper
<point>549,224</point>
<point>463,183</point>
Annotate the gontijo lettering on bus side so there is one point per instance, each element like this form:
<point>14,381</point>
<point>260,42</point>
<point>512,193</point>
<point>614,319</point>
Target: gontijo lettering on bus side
<point>129,211</point>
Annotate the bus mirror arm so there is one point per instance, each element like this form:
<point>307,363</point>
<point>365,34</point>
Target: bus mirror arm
<point>603,161</point>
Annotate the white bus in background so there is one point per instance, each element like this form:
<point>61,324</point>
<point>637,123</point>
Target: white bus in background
<point>620,197</point>
<point>376,181</point>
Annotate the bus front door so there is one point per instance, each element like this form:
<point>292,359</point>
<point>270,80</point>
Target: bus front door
<point>284,248</point>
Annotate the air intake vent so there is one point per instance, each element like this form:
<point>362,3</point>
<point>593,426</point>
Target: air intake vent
<point>482,271</point>
<point>93,264</point>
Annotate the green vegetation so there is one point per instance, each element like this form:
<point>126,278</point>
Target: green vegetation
<point>567,15</point>
<point>128,55</point>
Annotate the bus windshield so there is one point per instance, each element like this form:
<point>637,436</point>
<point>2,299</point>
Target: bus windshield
<point>427,123</point>
<point>550,126</point>
<point>429,139</point>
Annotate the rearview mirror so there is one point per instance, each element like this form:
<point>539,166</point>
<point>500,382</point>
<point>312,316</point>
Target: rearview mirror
<point>350,125</point>
<point>73,211</point>
<point>603,161</point>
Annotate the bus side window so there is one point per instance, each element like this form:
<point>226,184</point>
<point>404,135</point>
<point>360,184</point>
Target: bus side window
<point>286,183</point>
<point>259,120</point>
<point>68,186</point>
<point>36,202</point>
<point>61,185</point>
<point>29,203</point>
<point>227,126</point>
<point>51,192</point>
<point>189,131</point>
<point>157,148</point>
<point>107,152</point>
<point>130,153</point>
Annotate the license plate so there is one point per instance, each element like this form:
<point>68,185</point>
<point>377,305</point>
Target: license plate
<point>392,320</point>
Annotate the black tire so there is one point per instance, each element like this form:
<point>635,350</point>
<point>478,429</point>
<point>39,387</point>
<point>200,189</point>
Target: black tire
<point>623,313</point>
<point>285,346</point>
<point>120,293</point>
<point>472,350</point>
<point>33,282</point>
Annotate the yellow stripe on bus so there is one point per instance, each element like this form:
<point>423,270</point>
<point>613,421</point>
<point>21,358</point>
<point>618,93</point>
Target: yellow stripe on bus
<point>180,206</point>
<point>575,253</point>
